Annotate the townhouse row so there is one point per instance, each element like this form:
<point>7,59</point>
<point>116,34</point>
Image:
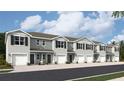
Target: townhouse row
<point>23,48</point>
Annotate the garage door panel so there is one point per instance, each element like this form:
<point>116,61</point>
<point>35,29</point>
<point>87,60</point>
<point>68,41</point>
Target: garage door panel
<point>20,59</point>
<point>102,59</point>
<point>90,59</point>
<point>80,59</point>
<point>61,59</point>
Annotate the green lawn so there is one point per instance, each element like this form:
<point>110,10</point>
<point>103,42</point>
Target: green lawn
<point>103,77</point>
<point>5,67</point>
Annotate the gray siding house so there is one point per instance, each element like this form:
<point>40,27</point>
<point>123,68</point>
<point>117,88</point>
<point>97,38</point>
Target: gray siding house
<point>23,48</point>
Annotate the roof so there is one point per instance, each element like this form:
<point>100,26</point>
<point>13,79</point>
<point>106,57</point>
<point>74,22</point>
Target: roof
<point>97,42</point>
<point>40,34</point>
<point>71,38</point>
<point>47,50</point>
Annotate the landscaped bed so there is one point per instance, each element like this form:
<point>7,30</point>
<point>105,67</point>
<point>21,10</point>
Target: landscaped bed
<point>103,77</point>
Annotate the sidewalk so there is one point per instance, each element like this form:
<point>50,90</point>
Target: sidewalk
<point>60,66</point>
<point>118,79</point>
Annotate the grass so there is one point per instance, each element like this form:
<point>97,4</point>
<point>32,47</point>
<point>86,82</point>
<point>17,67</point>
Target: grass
<point>103,77</point>
<point>5,67</point>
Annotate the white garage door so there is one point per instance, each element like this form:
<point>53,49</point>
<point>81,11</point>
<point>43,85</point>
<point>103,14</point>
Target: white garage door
<point>61,59</point>
<point>116,59</point>
<point>89,59</point>
<point>20,59</point>
<point>102,59</point>
<point>80,59</point>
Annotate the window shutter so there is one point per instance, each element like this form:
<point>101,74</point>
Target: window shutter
<point>26,41</point>
<point>56,44</point>
<point>77,45</point>
<point>65,44</point>
<point>12,40</point>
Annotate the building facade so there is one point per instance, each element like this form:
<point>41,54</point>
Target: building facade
<point>23,48</point>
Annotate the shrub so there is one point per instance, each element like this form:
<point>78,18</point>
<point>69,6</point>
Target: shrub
<point>68,62</point>
<point>56,62</point>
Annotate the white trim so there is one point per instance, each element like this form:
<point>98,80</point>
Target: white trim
<point>12,31</point>
<point>41,38</point>
<point>39,51</point>
<point>60,37</point>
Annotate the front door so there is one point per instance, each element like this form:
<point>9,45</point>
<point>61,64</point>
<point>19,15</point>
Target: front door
<point>48,59</point>
<point>31,58</point>
<point>71,58</point>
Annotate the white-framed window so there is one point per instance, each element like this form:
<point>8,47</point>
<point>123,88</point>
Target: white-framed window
<point>38,42</point>
<point>102,48</point>
<point>43,43</point>
<point>22,40</point>
<point>19,40</point>
<point>89,47</point>
<point>16,40</point>
<point>60,44</point>
<point>38,56</point>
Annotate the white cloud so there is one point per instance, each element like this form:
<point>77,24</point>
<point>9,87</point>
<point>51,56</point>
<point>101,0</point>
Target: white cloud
<point>31,22</point>
<point>74,24</point>
<point>68,22</point>
<point>118,37</point>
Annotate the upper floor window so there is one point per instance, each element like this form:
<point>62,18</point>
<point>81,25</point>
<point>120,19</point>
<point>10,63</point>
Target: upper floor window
<point>16,40</point>
<point>60,44</point>
<point>89,47</point>
<point>80,46</point>
<point>43,43</point>
<point>38,42</point>
<point>102,48</point>
<point>116,49</point>
<point>22,40</point>
<point>19,40</point>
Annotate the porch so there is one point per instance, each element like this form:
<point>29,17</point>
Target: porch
<point>41,57</point>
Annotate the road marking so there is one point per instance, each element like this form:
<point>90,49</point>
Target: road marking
<point>95,76</point>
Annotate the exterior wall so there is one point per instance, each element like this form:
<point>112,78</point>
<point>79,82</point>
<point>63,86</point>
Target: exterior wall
<point>70,46</point>
<point>16,49</point>
<point>59,51</point>
<point>85,53</point>
<point>40,60</point>
<point>33,44</point>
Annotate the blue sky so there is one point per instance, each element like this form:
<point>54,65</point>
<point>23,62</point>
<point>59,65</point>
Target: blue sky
<point>95,25</point>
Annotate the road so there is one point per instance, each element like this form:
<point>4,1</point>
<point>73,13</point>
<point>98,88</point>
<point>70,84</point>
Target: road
<point>60,75</point>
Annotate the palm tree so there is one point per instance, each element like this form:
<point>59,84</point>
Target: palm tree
<point>117,14</point>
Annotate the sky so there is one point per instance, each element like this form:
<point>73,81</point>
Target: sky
<point>96,25</point>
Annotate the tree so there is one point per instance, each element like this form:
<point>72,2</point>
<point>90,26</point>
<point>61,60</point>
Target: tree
<point>122,50</point>
<point>117,14</point>
<point>2,44</point>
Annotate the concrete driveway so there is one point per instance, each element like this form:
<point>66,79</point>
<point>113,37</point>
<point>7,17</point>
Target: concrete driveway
<point>60,66</point>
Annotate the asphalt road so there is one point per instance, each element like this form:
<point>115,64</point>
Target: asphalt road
<point>60,75</point>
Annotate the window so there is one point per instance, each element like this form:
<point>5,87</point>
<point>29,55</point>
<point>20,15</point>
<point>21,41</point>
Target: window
<point>21,40</point>
<point>43,42</point>
<point>89,47</point>
<point>116,49</point>
<point>16,40</point>
<point>102,48</point>
<point>44,57</point>
<point>60,44</point>
<point>80,46</point>
<point>83,46</point>
<point>37,42</point>
<point>38,56</point>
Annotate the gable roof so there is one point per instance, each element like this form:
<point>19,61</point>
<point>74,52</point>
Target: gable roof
<point>40,34</point>
<point>71,38</point>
